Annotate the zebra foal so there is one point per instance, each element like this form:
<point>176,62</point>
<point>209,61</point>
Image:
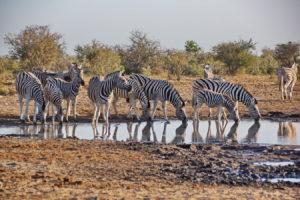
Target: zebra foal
<point>53,95</point>
<point>100,92</point>
<point>135,94</point>
<point>287,78</point>
<point>70,90</point>
<point>213,99</point>
<point>29,87</point>
<point>234,91</point>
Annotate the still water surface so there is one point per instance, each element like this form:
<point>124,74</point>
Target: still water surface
<point>246,131</point>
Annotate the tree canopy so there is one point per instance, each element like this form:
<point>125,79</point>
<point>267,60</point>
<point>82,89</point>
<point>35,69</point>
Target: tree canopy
<point>36,47</point>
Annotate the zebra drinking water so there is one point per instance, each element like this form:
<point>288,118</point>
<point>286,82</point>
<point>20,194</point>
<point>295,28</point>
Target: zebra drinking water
<point>29,87</point>
<point>53,95</point>
<point>161,90</point>
<point>136,94</point>
<point>234,91</point>
<point>99,92</point>
<point>287,78</point>
<point>214,99</point>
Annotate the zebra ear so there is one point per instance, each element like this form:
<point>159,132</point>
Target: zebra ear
<point>122,73</point>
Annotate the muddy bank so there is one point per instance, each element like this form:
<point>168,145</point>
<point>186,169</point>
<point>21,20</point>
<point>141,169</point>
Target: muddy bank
<point>70,168</point>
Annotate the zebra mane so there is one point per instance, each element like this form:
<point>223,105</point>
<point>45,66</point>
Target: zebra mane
<point>110,75</point>
<point>32,75</point>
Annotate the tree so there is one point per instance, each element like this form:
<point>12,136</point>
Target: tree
<point>192,47</point>
<point>35,46</point>
<point>177,62</point>
<point>286,54</point>
<point>140,53</point>
<point>98,58</point>
<point>235,55</point>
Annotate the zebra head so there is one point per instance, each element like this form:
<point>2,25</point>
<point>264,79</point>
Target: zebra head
<point>253,109</point>
<point>180,111</point>
<point>234,114</point>
<point>76,72</point>
<point>120,81</point>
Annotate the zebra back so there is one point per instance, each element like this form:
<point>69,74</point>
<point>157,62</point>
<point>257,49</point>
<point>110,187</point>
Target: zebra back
<point>140,79</point>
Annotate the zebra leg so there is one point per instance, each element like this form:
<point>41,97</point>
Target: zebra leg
<point>154,109</point>
<point>209,112</point>
<point>136,110</point>
<point>21,107</point>
<point>45,113</point>
<point>220,110</point>
<point>26,109</point>
<point>34,112</point>
<point>53,113</point>
<point>164,107</point>
<point>74,109</point>
<point>291,89</point>
<point>95,111</point>
<point>224,114</point>
<point>114,103</point>
<point>286,86</point>
<point>98,110</point>
<point>107,105</point>
<point>68,110</point>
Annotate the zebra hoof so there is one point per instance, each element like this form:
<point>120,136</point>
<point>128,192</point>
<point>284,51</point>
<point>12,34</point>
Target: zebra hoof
<point>22,120</point>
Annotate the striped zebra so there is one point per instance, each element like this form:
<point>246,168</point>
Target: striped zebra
<point>287,78</point>
<point>54,96</point>
<point>214,99</point>
<point>67,76</point>
<point>161,90</point>
<point>99,92</point>
<point>29,87</point>
<point>69,91</point>
<point>234,91</point>
<point>135,94</point>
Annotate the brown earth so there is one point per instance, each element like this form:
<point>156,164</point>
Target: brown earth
<point>82,169</point>
<point>263,88</point>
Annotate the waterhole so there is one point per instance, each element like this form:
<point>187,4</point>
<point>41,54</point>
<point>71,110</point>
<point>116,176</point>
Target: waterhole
<point>264,132</point>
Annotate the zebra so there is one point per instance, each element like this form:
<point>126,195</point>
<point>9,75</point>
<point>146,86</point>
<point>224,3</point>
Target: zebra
<point>214,99</point>
<point>136,94</point>
<point>208,73</point>
<point>69,90</point>
<point>161,90</point>
<point>99,92</point>
<point>67,76</point>
<point>29,87</point>
<point>234,91</point>
<point>287,78</point>
<point>54,96</point>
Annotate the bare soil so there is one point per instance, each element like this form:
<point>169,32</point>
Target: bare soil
<point>82,169</point>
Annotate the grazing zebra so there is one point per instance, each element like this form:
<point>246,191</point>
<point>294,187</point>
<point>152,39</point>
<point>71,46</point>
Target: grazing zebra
<point>54,96</point>
<point>161,90</point>
<point>208,73</point>
<point>136,94</point>
<point>99,92</point>
<point>287,78</point>
<point>29,87</point>
<point>214,99</point>
<point>234,91</point>
<point>69,90</point>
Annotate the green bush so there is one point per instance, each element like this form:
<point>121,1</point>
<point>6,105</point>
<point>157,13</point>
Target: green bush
<point>195,70</point>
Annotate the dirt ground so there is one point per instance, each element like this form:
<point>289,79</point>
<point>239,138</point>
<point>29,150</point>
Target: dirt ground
<point>83,169</point>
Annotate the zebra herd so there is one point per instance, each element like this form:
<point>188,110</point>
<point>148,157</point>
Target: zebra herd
<point>47,88</point>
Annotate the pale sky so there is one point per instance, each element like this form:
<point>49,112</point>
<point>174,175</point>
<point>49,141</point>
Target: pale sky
<point>171,22</point>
